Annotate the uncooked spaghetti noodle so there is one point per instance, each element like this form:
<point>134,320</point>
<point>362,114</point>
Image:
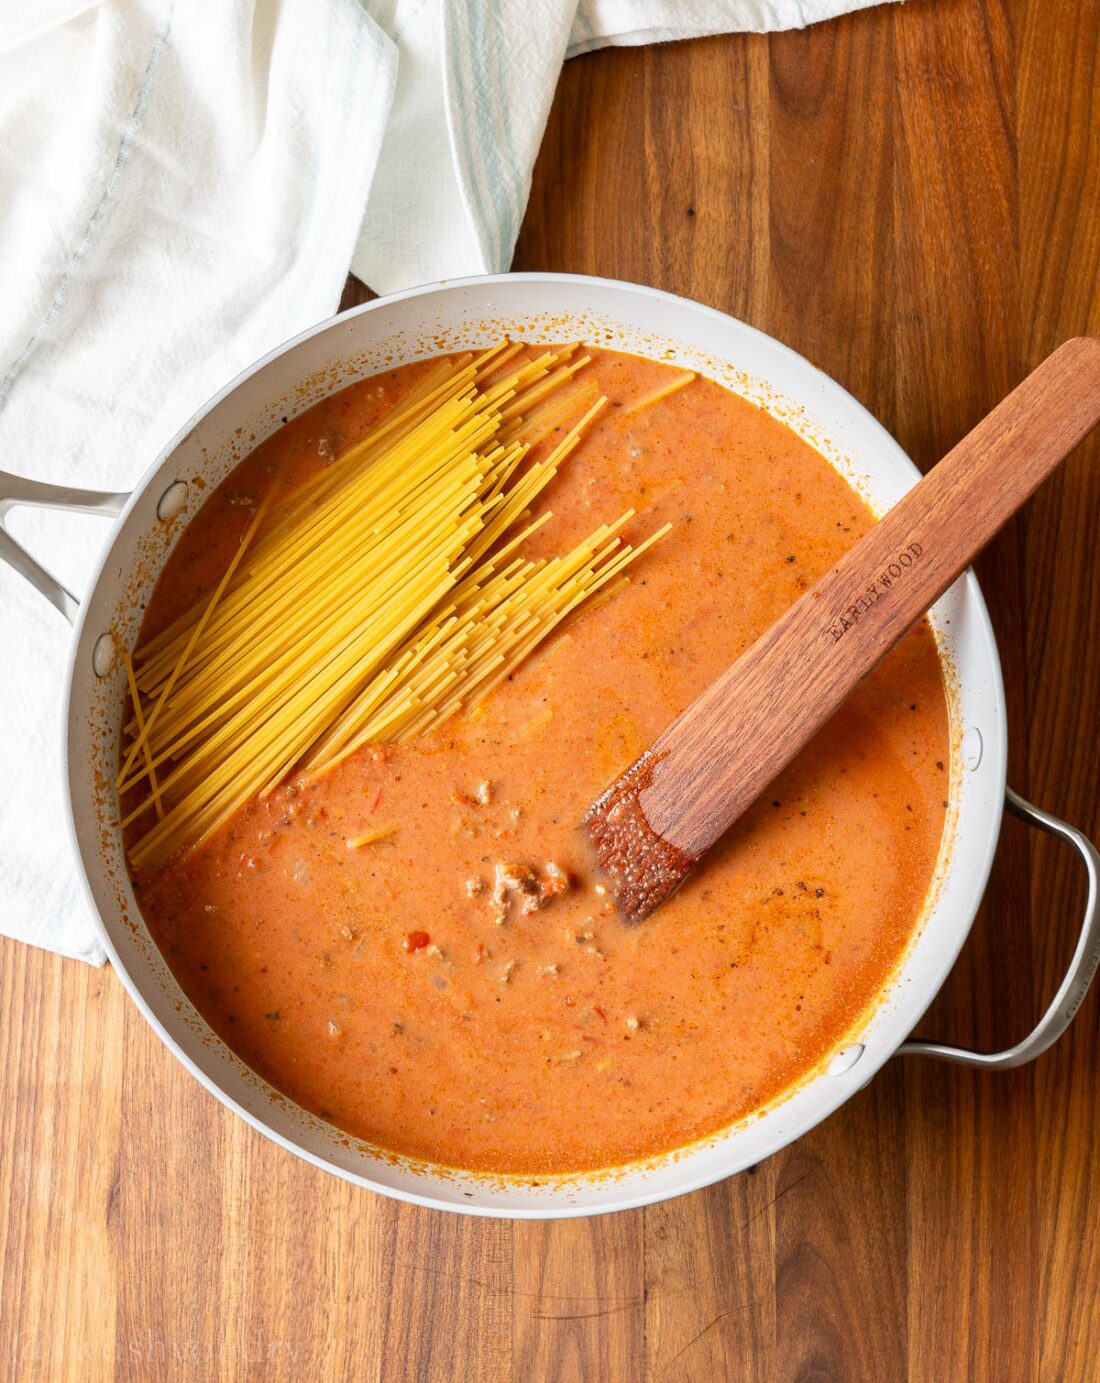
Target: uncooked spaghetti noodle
<point>371,604</point>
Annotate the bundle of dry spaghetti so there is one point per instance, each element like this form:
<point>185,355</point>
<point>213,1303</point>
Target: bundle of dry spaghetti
<point>370,605</point>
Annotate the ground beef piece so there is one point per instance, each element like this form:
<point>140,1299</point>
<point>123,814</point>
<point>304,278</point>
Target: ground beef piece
<point>519,887</point>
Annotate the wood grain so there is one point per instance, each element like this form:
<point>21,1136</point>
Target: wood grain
<point>909,196</point>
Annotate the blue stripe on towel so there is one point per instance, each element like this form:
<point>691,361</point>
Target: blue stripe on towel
<point>492,179</point>
<point>461,126</point>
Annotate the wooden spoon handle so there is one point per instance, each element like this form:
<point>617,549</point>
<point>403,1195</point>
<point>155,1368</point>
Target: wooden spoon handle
<point>713,761</point>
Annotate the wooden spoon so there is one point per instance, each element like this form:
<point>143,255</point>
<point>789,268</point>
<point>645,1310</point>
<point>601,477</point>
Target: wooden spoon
<point>654,823</point>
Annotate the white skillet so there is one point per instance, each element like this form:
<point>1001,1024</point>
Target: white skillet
<point>474,312</point>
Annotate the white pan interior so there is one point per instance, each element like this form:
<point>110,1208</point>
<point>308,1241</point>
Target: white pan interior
<point>408,327</point>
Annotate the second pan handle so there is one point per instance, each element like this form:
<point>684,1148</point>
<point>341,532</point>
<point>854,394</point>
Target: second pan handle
<point>1082,968</point>
<point>16,490</point>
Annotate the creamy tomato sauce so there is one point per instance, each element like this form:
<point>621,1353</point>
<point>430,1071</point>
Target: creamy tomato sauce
<point>461,990</point>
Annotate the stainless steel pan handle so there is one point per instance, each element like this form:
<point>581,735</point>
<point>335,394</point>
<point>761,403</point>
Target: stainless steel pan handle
<point>1082,968</point>
<point>16,490</point>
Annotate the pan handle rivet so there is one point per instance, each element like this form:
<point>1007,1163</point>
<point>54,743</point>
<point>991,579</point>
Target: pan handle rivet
<point>173,501</point>
<point>845,1060</point>
<point>103,655</point>
<point>971,748</point>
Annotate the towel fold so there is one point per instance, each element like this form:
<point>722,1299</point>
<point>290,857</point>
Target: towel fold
<point>184,186</point>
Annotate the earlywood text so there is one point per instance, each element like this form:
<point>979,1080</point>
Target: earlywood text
<point>892,572</point>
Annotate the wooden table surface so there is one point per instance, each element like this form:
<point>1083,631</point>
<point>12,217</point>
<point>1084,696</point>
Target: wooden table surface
<point>911,197</point>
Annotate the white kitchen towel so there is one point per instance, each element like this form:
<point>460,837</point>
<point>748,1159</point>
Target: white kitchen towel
<point>183,185</point>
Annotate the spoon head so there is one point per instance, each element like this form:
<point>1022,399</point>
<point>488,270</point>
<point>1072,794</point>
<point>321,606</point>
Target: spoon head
<point>640,866</point>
